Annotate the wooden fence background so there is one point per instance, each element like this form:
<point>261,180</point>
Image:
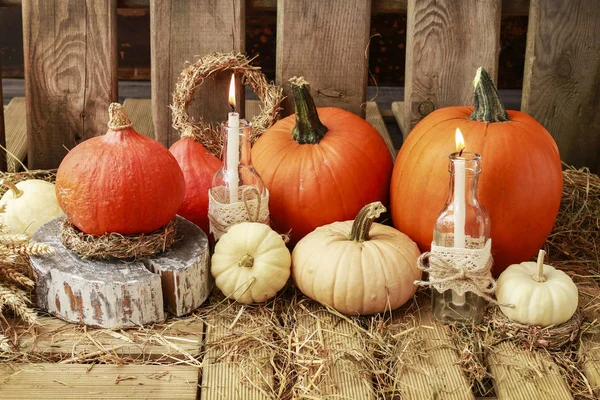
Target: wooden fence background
<point>71,62</point>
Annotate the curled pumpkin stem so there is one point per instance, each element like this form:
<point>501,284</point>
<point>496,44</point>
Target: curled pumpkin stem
<point>363,221</point>
<point>11,186</point>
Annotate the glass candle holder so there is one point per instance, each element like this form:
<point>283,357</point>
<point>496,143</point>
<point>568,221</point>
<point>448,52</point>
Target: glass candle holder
<point>463,223</point>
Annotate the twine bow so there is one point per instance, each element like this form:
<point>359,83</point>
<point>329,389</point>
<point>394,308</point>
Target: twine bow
<point>467,274</point>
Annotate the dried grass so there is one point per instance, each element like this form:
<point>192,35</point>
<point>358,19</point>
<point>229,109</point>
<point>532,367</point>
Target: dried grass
<point>115,245</point>
<point>207,67</point>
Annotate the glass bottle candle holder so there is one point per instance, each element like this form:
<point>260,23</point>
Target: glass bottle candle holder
<point>237,192</point>
<point>462,224</point>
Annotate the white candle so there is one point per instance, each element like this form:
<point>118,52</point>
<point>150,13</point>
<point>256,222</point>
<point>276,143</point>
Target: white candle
<point>233,145</point>
<point>459,206</point>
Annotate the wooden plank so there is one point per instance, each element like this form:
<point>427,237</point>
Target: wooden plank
<point>56,381</point>
<point>373,116</point>
<point>446,41</point>
<point>3,156</point>
<point>434,373</point>
<point>509,7</point>
<point>15,117</point>
<point>326,43</point>
<point>237,366</point>
<point>70,74</point>
<point>520,374</point>
<point>181,31</point>
<point>330,355</point>
<point>559,88</point>
<point>56,339</point>
<point>140,112</point>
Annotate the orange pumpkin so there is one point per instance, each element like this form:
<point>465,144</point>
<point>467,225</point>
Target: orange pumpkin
<point>520,184</point>
<point>320,165</point>
<point>198,166</point>
<point>120,182</point>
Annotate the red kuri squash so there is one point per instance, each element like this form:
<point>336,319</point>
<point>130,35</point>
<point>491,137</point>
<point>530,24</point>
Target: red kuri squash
<point>120,182</point>
<point>320,165</point>
<point>520,184</point>
<point>198,166</point>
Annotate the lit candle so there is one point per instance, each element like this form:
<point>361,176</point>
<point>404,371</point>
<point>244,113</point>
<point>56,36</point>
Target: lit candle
<point>459,205</point>
<point>233,144</point>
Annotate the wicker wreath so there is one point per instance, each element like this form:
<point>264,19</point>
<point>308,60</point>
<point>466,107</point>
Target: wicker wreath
<point>195,74</point>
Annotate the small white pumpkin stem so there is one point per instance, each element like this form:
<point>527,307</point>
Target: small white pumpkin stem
<point>247,261</point>
<point>11,186</point>
<point>539,277</point>
<point>363,221</point>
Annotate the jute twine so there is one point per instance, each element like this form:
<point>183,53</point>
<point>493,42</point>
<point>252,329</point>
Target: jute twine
<point>553,337</point>
<point>115,245</point>
<point>222,214</point>
<point>208,66</point>
<point>459,269</point>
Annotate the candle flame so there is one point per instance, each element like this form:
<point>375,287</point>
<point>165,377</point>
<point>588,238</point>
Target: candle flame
<point>460,141</point>
<point>232,93</point>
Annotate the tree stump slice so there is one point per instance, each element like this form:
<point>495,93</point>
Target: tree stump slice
<point>118,294</point>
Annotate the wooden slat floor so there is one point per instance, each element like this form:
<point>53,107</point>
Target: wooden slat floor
<point>205,371</point>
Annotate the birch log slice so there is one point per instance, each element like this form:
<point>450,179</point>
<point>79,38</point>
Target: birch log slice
<point>114,293</point>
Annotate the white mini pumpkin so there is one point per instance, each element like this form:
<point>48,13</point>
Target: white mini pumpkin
<point>541,294</point>
<point>251,263</point>
<point>28,205</point>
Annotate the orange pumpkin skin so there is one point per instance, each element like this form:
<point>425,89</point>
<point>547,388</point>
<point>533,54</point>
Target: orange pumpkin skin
<point>120,182</point>
<point>198,166</point>
<point>311,185</point>
<point>520,184</point>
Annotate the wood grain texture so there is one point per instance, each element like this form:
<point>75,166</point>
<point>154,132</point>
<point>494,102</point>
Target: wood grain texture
<point>330,357</point>
<point>562,76</point>
<point>140,112</point>
<point>526,375</point>
<point>228,375</point>
<point>56,381</point>
<point>173,340</point>
<point>446,42</point>
<point>434,373</point>
<point>181,31</point>
<point>70,52</point>
<point>326,42</point>
<point>589,353</point>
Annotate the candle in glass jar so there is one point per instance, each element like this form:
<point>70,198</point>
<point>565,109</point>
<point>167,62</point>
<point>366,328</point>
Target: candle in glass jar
<point>459,205</point>
<point>233,144</point>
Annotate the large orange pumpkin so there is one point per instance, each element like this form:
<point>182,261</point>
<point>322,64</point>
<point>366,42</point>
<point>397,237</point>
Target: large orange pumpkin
<point>520,184</point>
<point>120,182</point>
<point>320,165</point>
<point>198,166</point>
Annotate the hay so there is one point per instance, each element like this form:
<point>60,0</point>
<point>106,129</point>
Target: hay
<point>114,245</point>
<point>575,238</point>
<point>206,67</point>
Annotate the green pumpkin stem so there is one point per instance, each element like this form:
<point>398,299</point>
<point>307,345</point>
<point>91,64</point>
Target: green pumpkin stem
<point>539,277</point>
<point>11,186</point>
<point>363,221</point>
<point>488,106</point>
<point>309,129</point>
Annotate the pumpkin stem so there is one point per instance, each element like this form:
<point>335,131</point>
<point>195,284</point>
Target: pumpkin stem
<point>539,277</point>
<point>488,106</point>
<point>309,129</point>
<point>247,261</point>
<point>11,186</point>
<point>118,118</point>
<point>363,221</point>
